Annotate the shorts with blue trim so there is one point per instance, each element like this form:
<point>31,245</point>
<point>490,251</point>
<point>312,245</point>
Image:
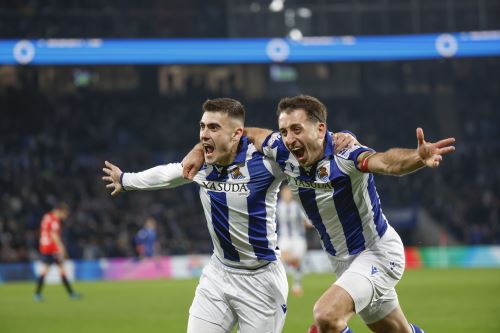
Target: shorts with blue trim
<point>370,277</point>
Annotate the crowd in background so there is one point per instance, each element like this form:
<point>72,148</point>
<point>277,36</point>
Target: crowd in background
<point>55,132</point>
<point>52,148</point>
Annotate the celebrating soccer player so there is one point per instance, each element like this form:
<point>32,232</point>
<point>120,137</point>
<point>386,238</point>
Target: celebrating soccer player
<point>245,282</point>
<point>337,192</point>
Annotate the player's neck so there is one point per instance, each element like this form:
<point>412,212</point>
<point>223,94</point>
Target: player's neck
<point>317,155</point>
<point>231,156</point>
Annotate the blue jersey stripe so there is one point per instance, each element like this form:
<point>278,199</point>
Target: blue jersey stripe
<point>347,210</point>
<point>378,217</point>
<point>256,202</point>
<point>282,153</point>
<point>308,199</point>
<point>220,223</point>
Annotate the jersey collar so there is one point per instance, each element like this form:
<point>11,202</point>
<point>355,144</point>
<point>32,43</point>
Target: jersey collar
<point>242,151</point>
<point>329,146</point>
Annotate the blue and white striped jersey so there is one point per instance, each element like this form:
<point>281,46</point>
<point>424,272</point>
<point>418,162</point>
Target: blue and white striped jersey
<point>239,202</point>
<point>340,201</point>
<point>290,218</point>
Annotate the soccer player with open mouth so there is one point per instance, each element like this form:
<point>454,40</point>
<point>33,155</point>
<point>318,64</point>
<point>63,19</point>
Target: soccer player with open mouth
<point>337,192</point>
<point>245,282</point>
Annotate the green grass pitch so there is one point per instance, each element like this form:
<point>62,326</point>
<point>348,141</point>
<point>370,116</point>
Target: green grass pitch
<point>439,300</point>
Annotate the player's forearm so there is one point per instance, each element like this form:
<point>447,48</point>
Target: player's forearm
<point>395,162</point>
<point>59,243</point>
<point>198,149</point>
<point>257,135</point>
<point>159,177</point>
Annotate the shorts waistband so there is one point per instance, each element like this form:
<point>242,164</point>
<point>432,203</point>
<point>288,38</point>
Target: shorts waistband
<point>240,270</point>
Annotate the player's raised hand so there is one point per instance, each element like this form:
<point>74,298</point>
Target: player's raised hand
<point>113,174</point>
<point>432,153</point>
<point>193,162</point>
<point>343,141</point>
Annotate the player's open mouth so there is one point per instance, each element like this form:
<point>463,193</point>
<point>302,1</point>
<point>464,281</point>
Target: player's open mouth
<point>298,153</point>
<point>209,149</point>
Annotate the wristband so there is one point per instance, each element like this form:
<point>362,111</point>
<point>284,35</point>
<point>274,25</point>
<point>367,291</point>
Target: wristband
<point>363,166</point>
<point>121,181</point>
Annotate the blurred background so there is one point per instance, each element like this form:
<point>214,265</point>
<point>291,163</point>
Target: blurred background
<point>60,119</point>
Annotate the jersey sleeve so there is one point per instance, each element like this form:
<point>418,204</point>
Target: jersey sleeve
<point>274,148</point>
<point>160,177</point>
<point>348,158</point>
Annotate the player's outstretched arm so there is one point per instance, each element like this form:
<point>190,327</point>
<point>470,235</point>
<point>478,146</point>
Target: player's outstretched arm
<point>257,136</point>
<point>160,177</point>
<point>62,250</point>
<point>194,160</point>
<point>113,175</point>
<point>400,161</point>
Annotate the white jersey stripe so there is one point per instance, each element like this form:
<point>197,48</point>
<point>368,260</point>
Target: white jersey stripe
<point>326,206</point>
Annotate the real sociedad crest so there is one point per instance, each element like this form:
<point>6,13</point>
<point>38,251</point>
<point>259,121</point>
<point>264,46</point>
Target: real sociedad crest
<point>236,173</point>
<point>322,174</point>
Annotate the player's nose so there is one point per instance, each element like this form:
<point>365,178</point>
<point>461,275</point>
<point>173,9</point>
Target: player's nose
<point>204,134</point>
<point>290,140</point>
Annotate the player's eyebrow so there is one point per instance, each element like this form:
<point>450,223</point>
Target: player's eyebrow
<point>213,124</point>
<point>290,126</point>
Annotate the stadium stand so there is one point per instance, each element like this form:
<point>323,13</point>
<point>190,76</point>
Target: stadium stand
<point>58,124</point>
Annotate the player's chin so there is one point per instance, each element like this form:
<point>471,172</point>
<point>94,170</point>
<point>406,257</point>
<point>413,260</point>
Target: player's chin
<point>210,158</point>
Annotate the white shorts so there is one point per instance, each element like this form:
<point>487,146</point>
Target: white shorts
<point>295,247</point>
<point>370,277</point>
<point>256,300</point>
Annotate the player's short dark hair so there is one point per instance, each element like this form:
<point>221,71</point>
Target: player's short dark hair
<point>315,110</point>
<point>231,107</point>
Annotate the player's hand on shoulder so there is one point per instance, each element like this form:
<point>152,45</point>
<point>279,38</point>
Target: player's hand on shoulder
<point>430,153</point>
<point>192,162</point>
<point>343,141</point>
<point>113,175</point>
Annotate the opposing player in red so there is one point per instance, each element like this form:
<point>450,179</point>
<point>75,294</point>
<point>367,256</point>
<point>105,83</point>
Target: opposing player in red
<point>52,248</point>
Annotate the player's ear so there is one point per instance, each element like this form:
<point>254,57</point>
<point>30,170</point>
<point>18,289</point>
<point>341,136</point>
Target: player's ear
<point>238,133</point>
<point>321,129</point>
